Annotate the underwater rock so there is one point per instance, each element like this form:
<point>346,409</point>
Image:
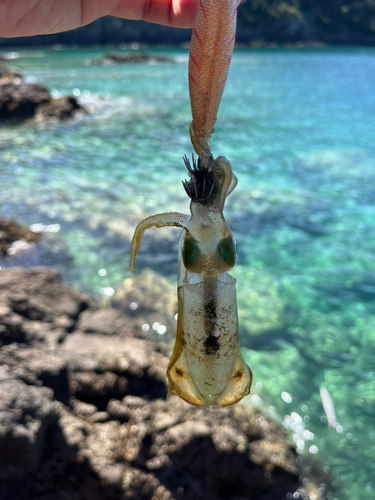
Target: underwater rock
<point>49,251</point>
<point>133,58</point>
<point>260,308</point>
<point>90,416</point>
<point>150,301</point>
<point>22,102</point>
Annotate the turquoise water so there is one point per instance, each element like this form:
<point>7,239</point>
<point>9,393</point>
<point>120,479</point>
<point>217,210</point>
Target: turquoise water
<point>299,129</point>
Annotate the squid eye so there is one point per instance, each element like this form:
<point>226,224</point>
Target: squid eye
<point>190,252</point>
<point>227,250</point>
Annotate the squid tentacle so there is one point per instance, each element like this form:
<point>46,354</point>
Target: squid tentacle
<point>160,220</point>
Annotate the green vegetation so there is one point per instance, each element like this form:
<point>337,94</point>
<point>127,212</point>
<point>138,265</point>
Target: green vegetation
<point>259,22</point>
<point>335,21</point>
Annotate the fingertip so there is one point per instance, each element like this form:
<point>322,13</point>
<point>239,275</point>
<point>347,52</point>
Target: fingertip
<point>174,13</point>
<point>184,13</point>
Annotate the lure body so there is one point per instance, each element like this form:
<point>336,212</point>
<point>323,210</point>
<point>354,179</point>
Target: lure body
<point>211,50</point>
<point>206,367</point>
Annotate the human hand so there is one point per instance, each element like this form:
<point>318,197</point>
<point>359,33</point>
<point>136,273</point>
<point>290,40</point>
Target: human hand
<point>43,17</point>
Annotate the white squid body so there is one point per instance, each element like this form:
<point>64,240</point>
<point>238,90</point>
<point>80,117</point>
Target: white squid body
<point>206,367</point>
<point>208,370</point>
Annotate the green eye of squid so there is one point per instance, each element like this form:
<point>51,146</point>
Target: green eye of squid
<point>227,250</point>
<point>190,252</point>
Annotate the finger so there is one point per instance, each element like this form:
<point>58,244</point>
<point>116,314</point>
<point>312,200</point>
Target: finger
<point>176,13</point>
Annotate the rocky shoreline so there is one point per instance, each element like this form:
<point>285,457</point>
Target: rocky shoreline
<point>132,58</point>
<point>20,101</point>
<point>85,412</point>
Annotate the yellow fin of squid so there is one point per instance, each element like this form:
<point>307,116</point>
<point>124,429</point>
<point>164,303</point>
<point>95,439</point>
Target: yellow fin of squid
<point>182,384</point>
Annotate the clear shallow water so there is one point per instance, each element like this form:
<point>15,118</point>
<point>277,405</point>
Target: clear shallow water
<point>299,129</point>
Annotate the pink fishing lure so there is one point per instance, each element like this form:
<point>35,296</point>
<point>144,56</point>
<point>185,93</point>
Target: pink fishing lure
<point>211,51</point>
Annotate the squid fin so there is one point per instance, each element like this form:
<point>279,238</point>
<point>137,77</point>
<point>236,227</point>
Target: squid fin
<point>239,383</point>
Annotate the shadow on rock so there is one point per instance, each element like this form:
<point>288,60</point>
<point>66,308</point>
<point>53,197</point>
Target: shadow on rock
<point>59,475</point>
<point>199,471</point>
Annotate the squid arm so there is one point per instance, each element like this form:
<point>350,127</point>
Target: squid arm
<point>160,220</point>
<point>206,367</point>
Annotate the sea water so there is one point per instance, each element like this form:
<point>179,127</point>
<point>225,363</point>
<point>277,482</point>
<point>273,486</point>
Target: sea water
<point>298,126</point>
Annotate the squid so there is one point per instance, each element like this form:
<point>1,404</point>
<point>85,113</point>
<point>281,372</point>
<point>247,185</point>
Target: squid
<point>206,367</point>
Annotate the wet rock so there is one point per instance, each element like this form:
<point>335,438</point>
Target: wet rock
<point>11,232</point>
<point>133,58</point>
<point>158,251</point>
<point>22,246</point>
<point>49,251</point>
<point>60,108</point>
<point>22,102</point>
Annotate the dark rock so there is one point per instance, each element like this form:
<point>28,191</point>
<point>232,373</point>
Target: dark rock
<point>103,368</point>
<point>36,367</point>
<point>104,321</point>
<point>21,102</point>
<point>60,108</point>
<point>171,450</point>
<point>38,294</point>
<point>35,307</point>
<point>8,75</point>
<point>11,232</point>
<point>26,412</point>
<point>120,436</point>
<point>133,58</point>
